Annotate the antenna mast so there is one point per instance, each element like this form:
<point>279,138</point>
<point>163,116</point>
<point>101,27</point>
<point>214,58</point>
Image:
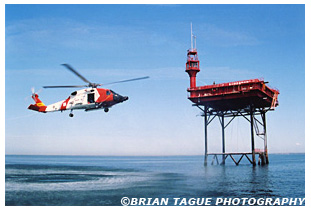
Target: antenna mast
<point>191,38</point>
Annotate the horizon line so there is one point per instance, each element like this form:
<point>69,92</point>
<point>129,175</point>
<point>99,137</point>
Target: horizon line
<point>274,153</point>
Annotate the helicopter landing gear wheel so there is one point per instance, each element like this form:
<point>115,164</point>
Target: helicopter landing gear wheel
<point>71,114</point>
<point>106,109</point>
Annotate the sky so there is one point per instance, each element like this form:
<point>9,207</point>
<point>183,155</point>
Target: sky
<point>107,43</point>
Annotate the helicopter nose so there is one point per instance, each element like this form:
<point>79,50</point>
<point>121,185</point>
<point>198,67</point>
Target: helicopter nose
<point>125,98</point>
<point>118,98</point>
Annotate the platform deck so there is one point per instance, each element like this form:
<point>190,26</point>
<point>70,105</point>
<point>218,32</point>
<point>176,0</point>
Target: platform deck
<point>235,95</point>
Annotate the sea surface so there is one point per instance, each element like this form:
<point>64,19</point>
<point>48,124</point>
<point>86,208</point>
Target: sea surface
<point>105,180</point>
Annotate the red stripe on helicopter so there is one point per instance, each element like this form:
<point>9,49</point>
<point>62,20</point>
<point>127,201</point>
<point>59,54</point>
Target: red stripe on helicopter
<point>64,104</point>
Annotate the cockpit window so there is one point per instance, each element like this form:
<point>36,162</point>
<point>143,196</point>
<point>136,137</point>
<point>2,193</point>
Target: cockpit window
<point>74,93</point>
<point>107,92</point>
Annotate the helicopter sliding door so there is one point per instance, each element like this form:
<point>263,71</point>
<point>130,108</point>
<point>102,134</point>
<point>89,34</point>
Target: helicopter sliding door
<point>90,98</point>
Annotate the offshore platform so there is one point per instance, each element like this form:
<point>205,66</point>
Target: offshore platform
<point>250,99</point>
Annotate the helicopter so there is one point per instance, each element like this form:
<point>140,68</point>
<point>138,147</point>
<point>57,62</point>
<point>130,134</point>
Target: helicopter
<point>89,98</point>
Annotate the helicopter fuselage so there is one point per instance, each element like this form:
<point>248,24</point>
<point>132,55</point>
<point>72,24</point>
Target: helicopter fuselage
<point>87,99</point>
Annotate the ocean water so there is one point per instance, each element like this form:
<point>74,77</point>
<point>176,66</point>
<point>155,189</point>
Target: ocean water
<point>102,180</point>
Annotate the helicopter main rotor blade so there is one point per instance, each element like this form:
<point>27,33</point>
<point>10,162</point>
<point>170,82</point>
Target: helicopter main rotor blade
<point>65,86</point>
<point>76,73</point>
<point>128,80</point>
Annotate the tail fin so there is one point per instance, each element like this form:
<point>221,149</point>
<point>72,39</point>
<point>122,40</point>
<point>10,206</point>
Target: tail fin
<point>39,106</point>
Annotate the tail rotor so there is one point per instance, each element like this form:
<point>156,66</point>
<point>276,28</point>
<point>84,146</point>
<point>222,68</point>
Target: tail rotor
<point>33,93</point>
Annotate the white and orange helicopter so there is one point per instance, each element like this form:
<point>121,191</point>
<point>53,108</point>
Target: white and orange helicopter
<point>89,98</point>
